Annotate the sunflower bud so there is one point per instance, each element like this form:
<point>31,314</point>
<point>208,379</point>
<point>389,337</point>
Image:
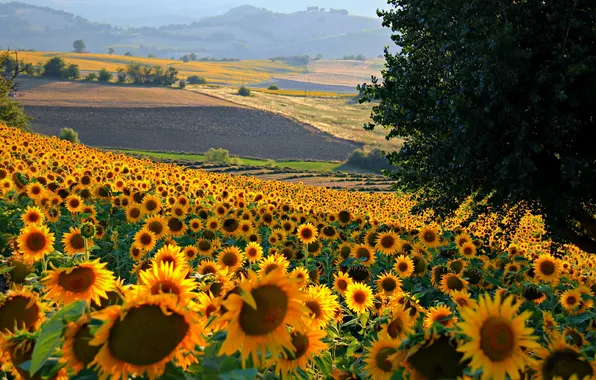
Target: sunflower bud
<point>88,230</point>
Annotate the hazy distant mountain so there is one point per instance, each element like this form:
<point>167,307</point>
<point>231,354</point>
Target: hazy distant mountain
<point>159,12</point>
<point>242,32</point>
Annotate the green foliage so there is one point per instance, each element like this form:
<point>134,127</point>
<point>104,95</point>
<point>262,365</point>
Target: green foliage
<point>182,83</point>
<point>195,79</point>
<point>69,134</point>
<point>111,51</point>
<point>91,77</point>
<point>79,46</point>
<point>128,54</point>
<point>104,75</point>
<point>495,99</point>
<point>244,91</point>
<point>359,57</point>
<point>220,156</point>
<point>375,160</point>
<point>11,112</point>
<point>273,87</point>
<point>57,68</point>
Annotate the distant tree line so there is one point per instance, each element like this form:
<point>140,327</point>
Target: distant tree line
<point>193,57</point>
<point>331,10</point>
<point>149,75</point>
<point>299,59</point>
<point>359,57</point>
<point>375,160</point>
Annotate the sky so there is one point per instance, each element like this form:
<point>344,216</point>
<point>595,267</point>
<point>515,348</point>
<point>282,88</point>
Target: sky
<point>136,12</point>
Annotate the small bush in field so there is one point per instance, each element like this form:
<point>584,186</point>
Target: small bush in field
<point>244,91</point>
<point>69,134</point>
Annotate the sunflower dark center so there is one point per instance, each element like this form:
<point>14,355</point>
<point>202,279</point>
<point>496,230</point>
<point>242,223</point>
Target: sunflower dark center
<point>382,359</point>
<point>168,260</point>
<point>575,337</point>
<point>36,241</point>
<point>564,364</point>
<point>78,280</point>
<point>497,339</point>
<point>230,225</point>
<point>82,350</point>
<point>74,203</point>
<point>134,212</point>
<point>229,259</point>
<point>165,287</point>
<point>146,239</point>
<point>403,266</point>
<point>15,312</point>
<point>456,266</point>
<point>306,233</point>
<point>547,268</point>
<point>313,247</point>
<point>270,268</point>
<point>175,224</point>
<point>300,343</point>
<point>156,227</point>
<point>342,284</point>
<point>571,300</point>
<point>210,309</point>
<point>387,241</point>
<point>208,269</point>
<point>439,360</point>
<point>329,231</point>
<point>363,253</point>
<point>251,252</point>
<point>315,308</point>
<point>395,328</point>
<point>388,284</point>
<point>33,217</point>
<point>272,308</point>
<point>359,297</point>
<point>133,338</point>
<point>454,283</point>
<point>462,302</point>
<point>150,205</point>
<point>429,236</point>
<point>468,251</point>
<point>344,252</point>
<point>77,242</point>
<point>204,245</point>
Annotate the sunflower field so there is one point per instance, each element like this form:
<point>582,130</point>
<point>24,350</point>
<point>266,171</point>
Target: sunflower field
<point>115,267</point>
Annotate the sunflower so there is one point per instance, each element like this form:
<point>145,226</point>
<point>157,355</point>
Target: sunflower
<point>547,268</point>
<point>16,352</point>
<point>379,359</point>
<point>73,203</point>
<point>341,281</point>
<point>439,314</point>
<point>213,224</point>
<point>307,233</point>
<point>158,225</point>
<point>462,239</point>
<point>77,353</point>
<point>497,336</point>
<point>176,226</point>
<point>452,282</point>
<point>20,268</point>
<point>258,318</point>
<point>429,237</point>
<point>404,266</point>
<point>387,242</point>
<point>231,258</point>
<point>208,267</point>
<point>20,309</point>
<point>230,227</point>
<point>74,242</point>
<point>170,254</point>
<point>163,278</point>
<point>143,335</point>
<point>467,250</point>
<point>570,300</point>
<point>301,274</point>
<point>388,283</point>
<point>359,297</point>
<point>400,323</point>
<point>321,303</point>
<point>134,213</point>
<point>191,252</point>
<point>273,262</point>
<point>435,358</point>
<point>562,361</point>
<point>87,281</point>
<point>548,322</point>
<point>253,252</point>
<point>307,344</point>
<point>32,215</point>
<point>35,242</point>
<point>462,299</point>
<point>151,204</point>
<point>575,337</point>
<point>363,254</point>
<point>195,225</point>
<point>206,247</point>
<point>145,240</point>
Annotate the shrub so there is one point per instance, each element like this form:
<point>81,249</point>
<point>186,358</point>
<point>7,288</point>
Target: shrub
<point>195,79</point>
<point>54,67</point>
<point>244,91</point>
<point>91,77</point>
<point>273,87</point>
<point>69,134</point>
<point>72,72</point>
<point>374,160</point>
<point>104,75</point>
<point>220,156</point>
<point>182,83</point>
<point>128,54</point>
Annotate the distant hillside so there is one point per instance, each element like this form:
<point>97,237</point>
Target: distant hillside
<point>244,32</point>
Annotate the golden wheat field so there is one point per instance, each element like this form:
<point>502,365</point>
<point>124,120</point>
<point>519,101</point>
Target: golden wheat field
<point>119,268</point>
<point>249,71</point>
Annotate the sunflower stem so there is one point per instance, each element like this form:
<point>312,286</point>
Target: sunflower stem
<point>86,249</point>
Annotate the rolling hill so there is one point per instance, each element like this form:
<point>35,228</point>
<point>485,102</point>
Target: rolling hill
<point>244,32</point>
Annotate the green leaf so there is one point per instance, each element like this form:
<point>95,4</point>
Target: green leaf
<point>51,334</point>
<point>238,374</point>
<point>5,270</point>
<point>173,372</point>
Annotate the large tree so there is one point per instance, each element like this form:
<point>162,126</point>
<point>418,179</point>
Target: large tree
<point>495,99</point>
<point>79,46</point>
<point>11,112</point>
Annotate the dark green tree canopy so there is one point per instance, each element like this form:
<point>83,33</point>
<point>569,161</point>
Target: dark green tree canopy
<point>79,46</point>
<point>495,98</point>
<point>11,112</point>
